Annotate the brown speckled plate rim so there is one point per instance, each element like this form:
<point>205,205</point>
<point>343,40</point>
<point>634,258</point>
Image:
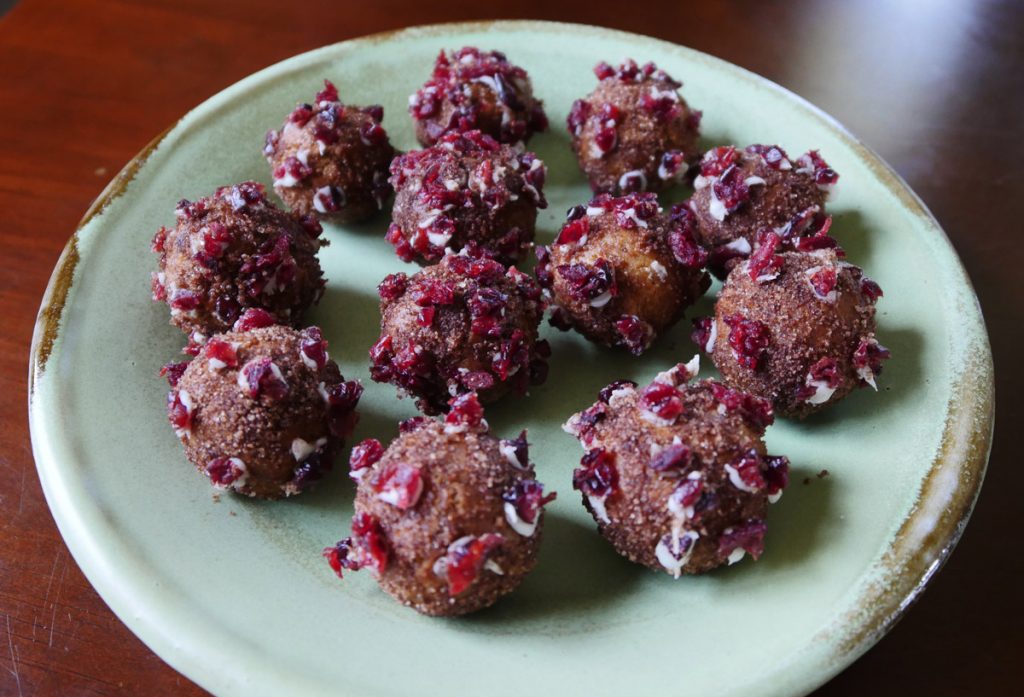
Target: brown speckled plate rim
<point>911,559</point>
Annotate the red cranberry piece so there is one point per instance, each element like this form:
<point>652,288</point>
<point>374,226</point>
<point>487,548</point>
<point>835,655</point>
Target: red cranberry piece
<point>402,247</point>
<point>664,107</point>
<point>372,134</point>
<point>159,239</point>
<point>573,231</point>
<point>745,473</point>
<point>221,354</point>
<point>254,318</point>
<point>672,164</point>
<point>366,548</point>
<point>826,370</point>
<point>636,334</point>
<point>585,423</point>
<point>588,282</point>
<point>773,156</point>
<point>375,112</point>
<point>701,335</point>
<point>527,495</point>
<point>578,115</point>
<point>179,411</point>
<point>431,291</point>
<point>364,455</point>
<point>159,292</point>
<point>543,268</point>
<point>755,410</point>
<point>673,457</point>
<point>184,300</point>
<point>328,94</point>
<point>242,195</point>
<point>749,340</point>
<point>225,471</point>
<point>868,359</point>
<point>685,248</point>
<point>717,160</point>
<point>596,476</point>
<point>776,473</point>
<point>226,309</point>
<point>661,401</point>
<point>606,392</point>
<point>485,307</point>
<point>628,70</point>
<point>686,495</point>
<point>477,380</point>
<point>731,189</point>
<point>325,123</point>
<point>216,239</point>
<point>189,210</point>
<point>465,412</point>
<point>314,348</point>
<point>606,139</point>
<point>329,199</point>
<point>413,423</point>
<point>173,372</point>
<point>871,290</point>
<point>466,559</point>
<point>425,318</point>
<point>292,167</point>
<point>603,71</point>
<point>824,176</point>
<point>748,536</point>
<point>512,354</point>
<point>262,376</point>
<point>765,264</point>
<point>824,281</point>
<point>301,115</point>
<point>399,484</point>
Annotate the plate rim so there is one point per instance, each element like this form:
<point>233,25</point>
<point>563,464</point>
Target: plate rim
<point>949,489</point>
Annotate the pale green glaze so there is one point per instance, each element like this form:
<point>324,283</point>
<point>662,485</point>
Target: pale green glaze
<point>235,595</point>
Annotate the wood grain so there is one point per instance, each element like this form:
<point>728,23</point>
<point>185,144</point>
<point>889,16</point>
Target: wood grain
<point>936,88</point>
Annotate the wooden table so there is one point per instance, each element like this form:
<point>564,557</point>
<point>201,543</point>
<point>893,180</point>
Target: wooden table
<point>937,88</point>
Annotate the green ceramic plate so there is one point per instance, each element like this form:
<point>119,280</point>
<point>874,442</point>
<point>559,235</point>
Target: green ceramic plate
<point>234,593</point>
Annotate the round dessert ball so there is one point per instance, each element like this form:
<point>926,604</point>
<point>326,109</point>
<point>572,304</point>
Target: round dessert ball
<point>474,90</point>
<point>331,159</point>
<point>463,325</point>
<point>620,272</point>
<point>676,475</point>
<point>466,192</point>
<point>448,517</point>
<point>262,412</point>
<point>634,132</point>
<point>738,193</point>
<point>796,328</point>
<point>233,251</point>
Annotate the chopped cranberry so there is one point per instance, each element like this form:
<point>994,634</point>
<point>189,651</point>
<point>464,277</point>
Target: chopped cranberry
<point>588,282</point>
<point>179,411</point>
<point>823,281</point>
<point>717,160</point>
<point>754,409</point>
<point>606,139</point>
<point>366,548</point>
<point>573,231</point>
<point>516,451</point>
<point>216,239</point>
<point>765,264</point>
<point>292,169</point>
<point>466,558</point>
<point>432,291</point>
<point>399,484</point>
<point>824,176</point>
<point>329,199</point>
<point>397,239</point>
<point>364,455</point>
<point>607,391</point>
<point>701,335</point>
<point>662,401</point>
<point>826,370</point>
<point>686,495</point>
<point>159,291</point>
<point>868,359</point>
<point>773,156</point>
<point>603,71</point>
<point>301,115</point>
<point>173,372</point>
<point>413,423</point>
<point>527,495</point>
<point>776,473</point>
<point>746,472</point>
<point>513,353</point>
<point>672,457</point>
<point>325,123</point>
<point>371,133</point>
<point>672,164</point>
<point>311,470</point>
<point>748,536</point>
<point>375,112</point>
<point>486,306</point>
<point>254,318</point>
<point>731,188</point>
<point>262,376</point>
<point>425,317</point>
<point>685,248</point>
<point>636,334</point>
<point>749,340</point>
<point>477,380</point>
<point>225,471</point>
<point>222,352</point>
<point>465,412</point>
<point>663,106</point>
<point>578,115</point>
<point>243,195</point>
<point>189,210</point>
<point>328,94</point>
<point>596,475</point>
<point>159,239</point>
<point>184,300</point>
<point>871,290</point>
<point>313,348</point>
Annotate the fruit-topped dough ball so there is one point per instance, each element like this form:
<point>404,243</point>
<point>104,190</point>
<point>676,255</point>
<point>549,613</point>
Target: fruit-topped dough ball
<point>463,325</point>
<point>448,517</point>
<point>477,90</point>
<point>466,192</point>
<point>233,251</point>
<point>331,159</point>
<point>262,410</point>
<point>738,193</point>
<point>634,132</point>
<point>620,272</point>
<point>795,327</point>
<point>676,475</point>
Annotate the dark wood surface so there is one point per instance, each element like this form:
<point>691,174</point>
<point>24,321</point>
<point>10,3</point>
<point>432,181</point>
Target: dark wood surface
<point>937,88</point>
